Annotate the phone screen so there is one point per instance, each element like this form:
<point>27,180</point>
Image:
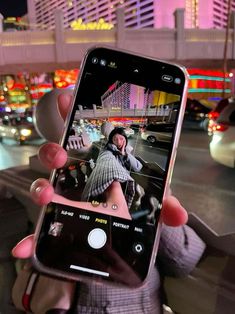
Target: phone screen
<point>121,139</point>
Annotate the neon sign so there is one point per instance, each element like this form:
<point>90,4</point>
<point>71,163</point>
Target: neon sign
<point>100,25</point>
<point>209,81</point>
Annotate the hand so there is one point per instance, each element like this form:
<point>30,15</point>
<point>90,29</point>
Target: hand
<point>123,149</point>
<point>54,156</point>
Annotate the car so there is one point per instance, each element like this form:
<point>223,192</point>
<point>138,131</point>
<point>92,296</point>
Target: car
<point>129,132</point>
<point>157,132</point>
<point>17,127</point>
<point>214,114</point>
<point>196,115</point>
<point>222,145</point>
<point>136,127</point>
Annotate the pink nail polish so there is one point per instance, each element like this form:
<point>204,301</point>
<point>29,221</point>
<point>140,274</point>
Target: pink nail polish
<point>51,154</point>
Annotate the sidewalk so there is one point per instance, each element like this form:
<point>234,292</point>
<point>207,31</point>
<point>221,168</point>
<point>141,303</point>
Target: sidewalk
<point>18,215</point>
<point>13,227</point>
<point>16,182</point>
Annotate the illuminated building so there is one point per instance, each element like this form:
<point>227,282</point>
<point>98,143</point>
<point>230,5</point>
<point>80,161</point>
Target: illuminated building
<point>209,84</point>
<point>101,14</point>
<point>130,96</point>
<point>11,24</point>
<point>21,91</point>
<point>138,13</point>
<point>65,78</point>
<point>207,14</point>
<point>37,91</point>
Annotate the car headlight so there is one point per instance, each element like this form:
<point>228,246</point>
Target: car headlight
<point>13,131</point>
<point>25,132</point>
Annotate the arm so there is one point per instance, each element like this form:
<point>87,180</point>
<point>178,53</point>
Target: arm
<point>114,205</point>
<point>133,163</point>
<point>180,249</point>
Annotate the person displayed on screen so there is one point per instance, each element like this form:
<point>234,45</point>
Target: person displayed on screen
<point>109,189</point>
<point>113,164</point>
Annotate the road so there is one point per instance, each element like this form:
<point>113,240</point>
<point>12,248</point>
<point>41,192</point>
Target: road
<point>204,187</point>
<point>12,154</point>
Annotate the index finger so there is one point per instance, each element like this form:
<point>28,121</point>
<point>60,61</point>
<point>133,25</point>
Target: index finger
<point>64,104</point>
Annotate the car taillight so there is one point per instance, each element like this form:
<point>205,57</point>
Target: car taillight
<point>220,127</point>
<point>72,167</point>
<point>210,126</point>
<point>213,115</point>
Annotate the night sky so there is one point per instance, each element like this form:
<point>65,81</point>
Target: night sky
<point>13,7</point>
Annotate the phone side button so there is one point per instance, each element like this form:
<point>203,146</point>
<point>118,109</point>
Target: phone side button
<point>97,238</point>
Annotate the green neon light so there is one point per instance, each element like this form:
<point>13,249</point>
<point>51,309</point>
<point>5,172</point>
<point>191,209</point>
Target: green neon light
<point>208,90</point>
<point>211,78</point>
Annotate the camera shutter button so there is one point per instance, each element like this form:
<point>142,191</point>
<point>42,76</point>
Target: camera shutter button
<point>97,238</point>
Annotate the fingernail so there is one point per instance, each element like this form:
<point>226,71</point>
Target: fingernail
<point>36,189</point>
<point>66,97</point>
<point>51,154</point>
<point>35,193</point>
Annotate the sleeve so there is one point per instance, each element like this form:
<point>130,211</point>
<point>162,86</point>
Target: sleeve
<point>107,170</point>
<point>180,249</point>
<point>133,163</point>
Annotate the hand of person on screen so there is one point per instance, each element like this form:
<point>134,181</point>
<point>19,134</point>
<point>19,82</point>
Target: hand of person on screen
<point>52,156</point>
<point>123,150</point>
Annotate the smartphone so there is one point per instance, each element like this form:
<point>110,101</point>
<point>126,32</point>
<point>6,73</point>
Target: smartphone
<point>121,137</point>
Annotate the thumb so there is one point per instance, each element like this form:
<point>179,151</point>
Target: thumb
<point>24,249</point>
<point>173,213</point>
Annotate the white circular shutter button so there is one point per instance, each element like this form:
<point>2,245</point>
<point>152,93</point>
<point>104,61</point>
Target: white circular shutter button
<point>97,238</point>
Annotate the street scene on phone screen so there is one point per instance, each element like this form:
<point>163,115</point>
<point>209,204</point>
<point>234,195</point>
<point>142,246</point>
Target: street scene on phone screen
<point>95,160</point>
